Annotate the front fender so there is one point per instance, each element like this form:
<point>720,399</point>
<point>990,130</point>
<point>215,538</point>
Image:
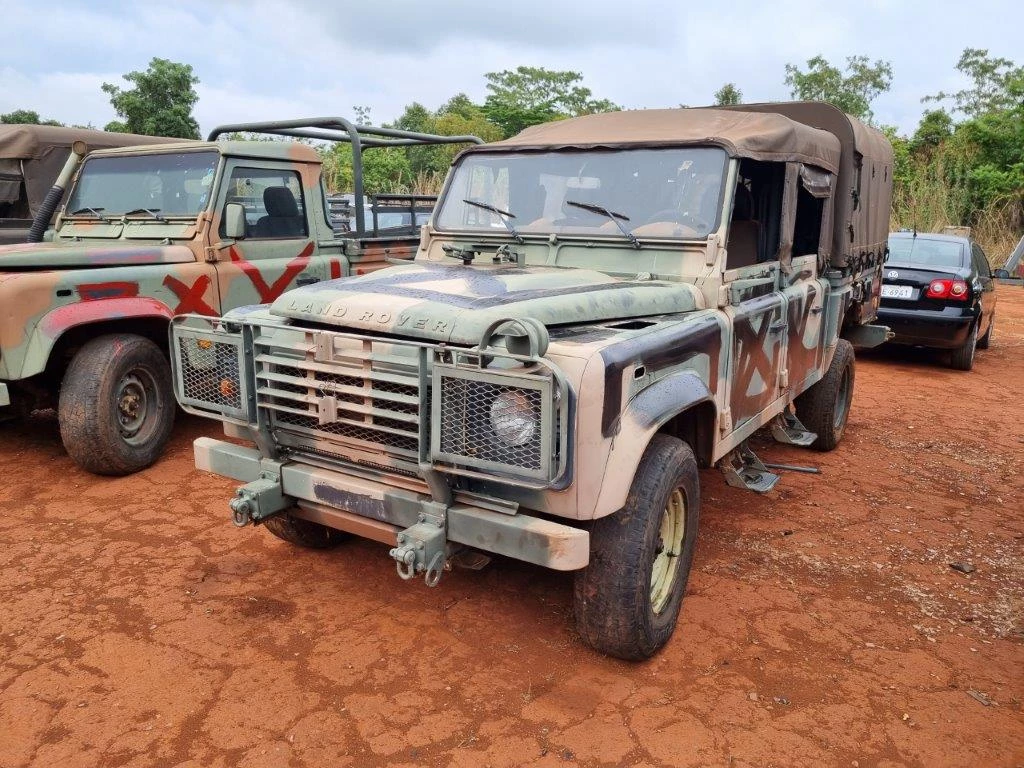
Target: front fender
<point>59,321</point>
<point>644,415</point>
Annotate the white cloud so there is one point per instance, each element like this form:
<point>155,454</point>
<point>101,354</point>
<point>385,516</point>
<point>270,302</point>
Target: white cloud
<point>266,59</point>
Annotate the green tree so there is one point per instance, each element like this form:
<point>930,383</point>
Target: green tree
<point>935,127</point>
<point>728,95</point>
<point>852,91</point>
<point>26,117</point>
<point>160,102</point>
<point>994,84</point>
<point>530,95</point>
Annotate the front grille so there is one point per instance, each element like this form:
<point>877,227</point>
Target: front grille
<point>469,409</point>
<point>330,391</point>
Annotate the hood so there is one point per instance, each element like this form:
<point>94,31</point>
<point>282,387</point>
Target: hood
<point>64,255</point>
<point>455,304</point>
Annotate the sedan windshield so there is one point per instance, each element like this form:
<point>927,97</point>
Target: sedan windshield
<point>657,193</point>
<point>921,250</point>
<point>169,184</point>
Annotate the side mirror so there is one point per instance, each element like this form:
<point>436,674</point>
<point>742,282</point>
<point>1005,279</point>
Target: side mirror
<point>1001,274</point>
<point>234,221</point>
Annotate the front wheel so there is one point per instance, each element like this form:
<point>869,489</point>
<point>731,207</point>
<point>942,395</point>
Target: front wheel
<point>116,407</point>
<point>825,407</point>
<point>627,600</point>
<point>303,533</point>
<point>986,341</point>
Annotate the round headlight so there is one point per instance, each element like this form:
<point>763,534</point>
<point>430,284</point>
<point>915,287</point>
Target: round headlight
<point>513,418</point>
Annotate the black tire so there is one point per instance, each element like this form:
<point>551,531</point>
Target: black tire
<point>825,408</point>
<point>116,407</point>
<point>986,341</point>
<point>615,609</point>
<point>962,358</point>
<point>303,533</point>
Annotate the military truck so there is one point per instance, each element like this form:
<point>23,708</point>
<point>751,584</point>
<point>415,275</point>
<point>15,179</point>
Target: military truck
<point>31,157</point>
<point>147,232</point>
<point>598,307</point>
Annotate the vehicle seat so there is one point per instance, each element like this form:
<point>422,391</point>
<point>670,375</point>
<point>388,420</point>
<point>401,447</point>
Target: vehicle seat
<point>744,232</point>
<point>282,219</point>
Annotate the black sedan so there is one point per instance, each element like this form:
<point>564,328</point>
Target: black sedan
<point>938,291</point>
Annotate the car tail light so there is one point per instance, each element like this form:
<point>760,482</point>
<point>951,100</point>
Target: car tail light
<point>947,289</point>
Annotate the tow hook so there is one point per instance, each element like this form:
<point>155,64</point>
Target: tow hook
<point>423,547</point>
<point>256,501</point>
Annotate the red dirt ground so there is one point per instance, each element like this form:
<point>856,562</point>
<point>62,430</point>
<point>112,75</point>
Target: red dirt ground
<point>823,626</point>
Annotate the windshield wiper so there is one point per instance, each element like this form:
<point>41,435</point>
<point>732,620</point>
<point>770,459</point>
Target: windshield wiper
<point>611,215</point>
<point>154,212</point>
<point>504,216</point>
<point>94,211</point>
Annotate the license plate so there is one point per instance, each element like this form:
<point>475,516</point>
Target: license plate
<point>897,291</point>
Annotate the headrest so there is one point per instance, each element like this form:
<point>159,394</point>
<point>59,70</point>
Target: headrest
<point>280,202</point>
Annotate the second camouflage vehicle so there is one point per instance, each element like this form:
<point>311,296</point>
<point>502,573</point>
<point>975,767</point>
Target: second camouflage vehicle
<point>598,307</point>
<point>147,232</point>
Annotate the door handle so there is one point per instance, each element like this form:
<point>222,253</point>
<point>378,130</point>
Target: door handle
<point>777,327</point>
<point>307,280</point>
<point>817,310</point>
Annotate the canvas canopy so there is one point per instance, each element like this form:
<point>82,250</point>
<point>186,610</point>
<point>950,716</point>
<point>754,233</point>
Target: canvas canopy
<point>34,154</point>
<point>760,136</point>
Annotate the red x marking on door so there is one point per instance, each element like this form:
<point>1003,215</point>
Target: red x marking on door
<point>270,292</point>
<point>190,298</point>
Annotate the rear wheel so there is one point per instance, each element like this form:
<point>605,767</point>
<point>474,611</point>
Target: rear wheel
<point>627,600</point>
<point>962,358</point>
<point>116,407</point>
<point>303,533</point>
<point>825,407</point>
<point>986,341</point>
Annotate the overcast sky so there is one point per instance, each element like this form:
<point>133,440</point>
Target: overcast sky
<point>264,59</point>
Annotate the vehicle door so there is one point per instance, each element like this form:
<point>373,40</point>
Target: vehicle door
<point>752,279</point>
<point>279,250</point>
<point>986,284</point>
<point>811,190</point>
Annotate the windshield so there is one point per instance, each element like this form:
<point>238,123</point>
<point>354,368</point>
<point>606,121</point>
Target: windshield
<point>921,250</point>
<point>172,184</point>
<point>673,193</point>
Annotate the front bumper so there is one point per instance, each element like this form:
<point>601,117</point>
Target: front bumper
<point>379,511</point>
<point>941,329</point>
<point>5,396</point>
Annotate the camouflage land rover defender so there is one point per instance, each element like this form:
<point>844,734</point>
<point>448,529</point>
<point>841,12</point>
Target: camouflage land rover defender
<point>598,307</point>
<point>147,232</point>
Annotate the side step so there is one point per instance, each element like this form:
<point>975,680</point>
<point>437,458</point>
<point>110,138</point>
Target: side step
<point>786,428</point>
<point>742,469</point>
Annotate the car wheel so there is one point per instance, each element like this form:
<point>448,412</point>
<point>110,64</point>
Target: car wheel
<point>303,533</point>
<point>116,407</point>
<point>962,358</point>
<point>627,600</point>
<point>825,408</point>
<point>986,341</point>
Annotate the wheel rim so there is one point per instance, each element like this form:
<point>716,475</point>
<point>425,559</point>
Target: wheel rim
<point>843,397</point>
<point>136,403</point>
<point>669,549</point>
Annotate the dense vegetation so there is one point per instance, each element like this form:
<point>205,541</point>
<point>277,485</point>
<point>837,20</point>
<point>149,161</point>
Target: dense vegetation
<point>963,164</point>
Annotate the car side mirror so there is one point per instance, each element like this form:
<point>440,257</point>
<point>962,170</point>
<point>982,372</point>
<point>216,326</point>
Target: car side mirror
<point>234,221</point>
<point>1001,274</point>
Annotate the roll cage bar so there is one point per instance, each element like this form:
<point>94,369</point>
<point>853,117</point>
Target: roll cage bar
<point>340,129</point>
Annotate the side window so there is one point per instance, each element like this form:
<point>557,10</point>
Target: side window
<point>980,261</point>
<point>273,201</point>
<point>813,190</point>
<point>754,231</point>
